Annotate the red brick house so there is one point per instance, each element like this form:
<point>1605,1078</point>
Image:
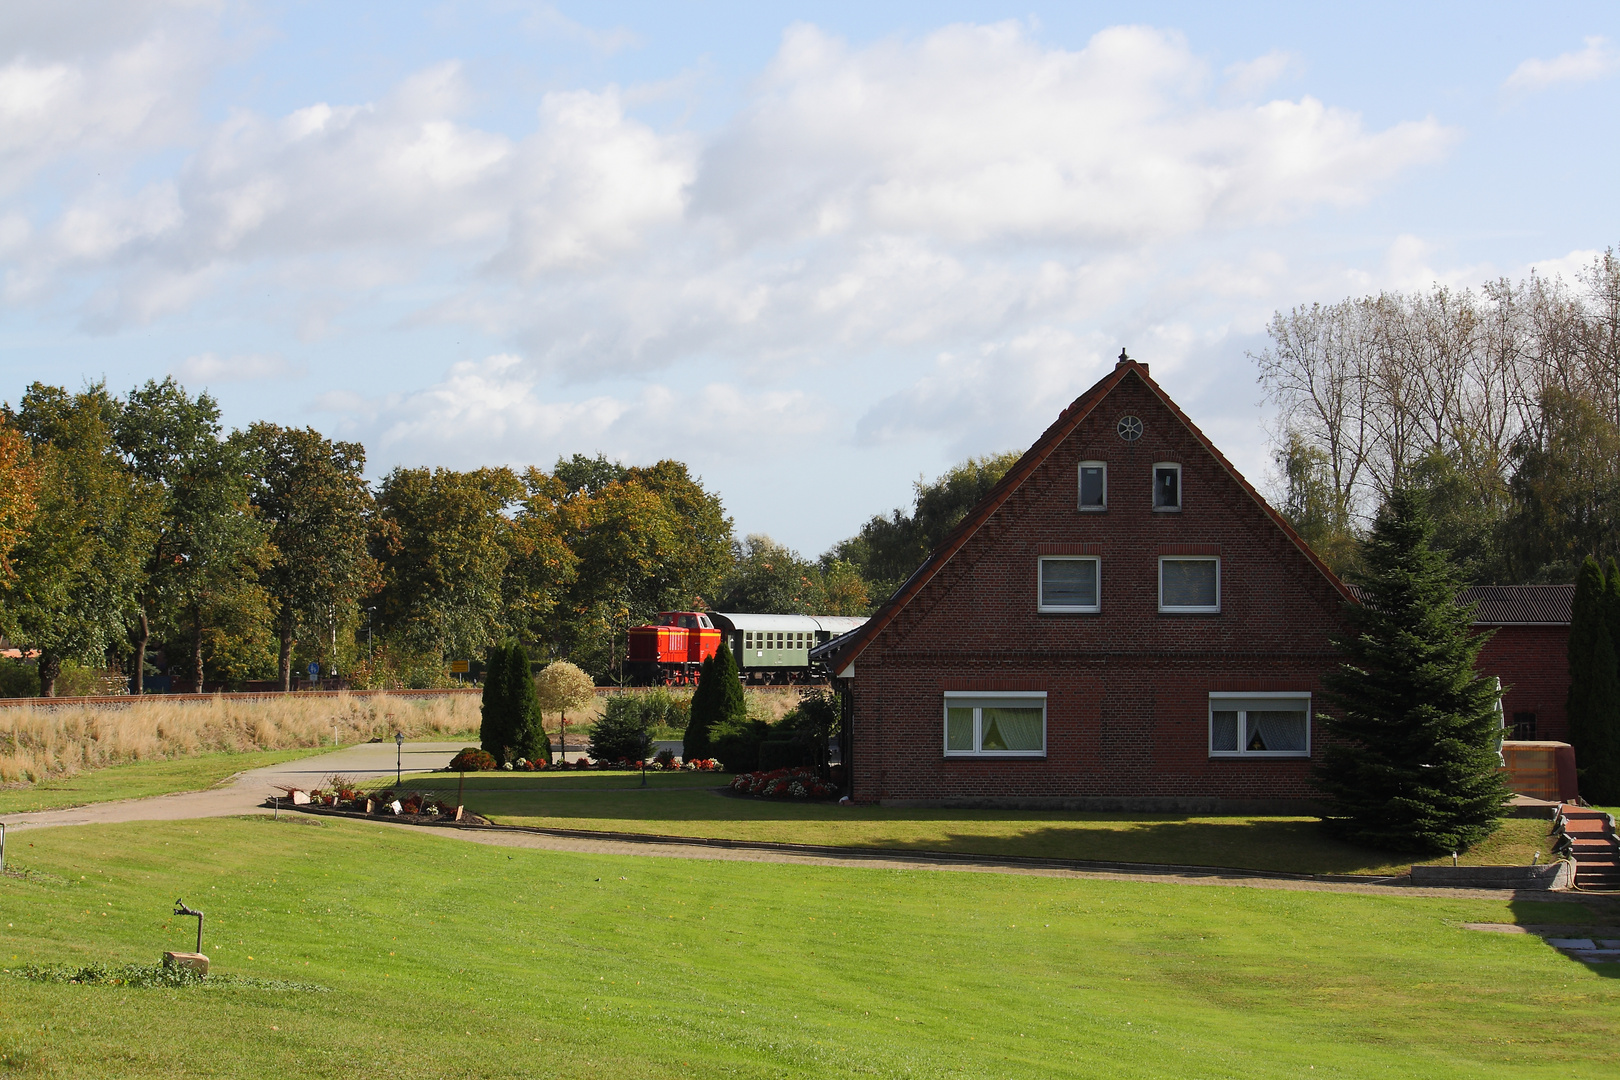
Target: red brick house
<point>1123,622</point>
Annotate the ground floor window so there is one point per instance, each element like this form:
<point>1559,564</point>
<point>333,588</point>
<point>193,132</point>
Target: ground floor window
<point>995,725</point>
<point>1260,725</point>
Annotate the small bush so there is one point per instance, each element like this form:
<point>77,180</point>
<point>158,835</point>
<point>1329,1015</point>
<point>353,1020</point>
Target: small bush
<point>622,732</point>
<point>18,679</point>
<point>785,754</point>
<point>472,759</point>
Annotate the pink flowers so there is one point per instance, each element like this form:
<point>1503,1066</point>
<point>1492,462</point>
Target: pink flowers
<point>784,784</point>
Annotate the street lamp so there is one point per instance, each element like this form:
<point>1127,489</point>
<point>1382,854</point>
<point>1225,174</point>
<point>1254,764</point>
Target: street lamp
<point>399,751</point>
<point>370,618</point>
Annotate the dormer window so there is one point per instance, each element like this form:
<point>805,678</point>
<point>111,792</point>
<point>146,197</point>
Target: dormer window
<point>1093,485</point>
<point>1166,487</point>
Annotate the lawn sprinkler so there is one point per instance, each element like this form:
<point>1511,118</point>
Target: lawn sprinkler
<point>181,909</point>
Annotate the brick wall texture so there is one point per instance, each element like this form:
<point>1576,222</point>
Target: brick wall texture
<point>1128,687</point>
<point>1533,664</point>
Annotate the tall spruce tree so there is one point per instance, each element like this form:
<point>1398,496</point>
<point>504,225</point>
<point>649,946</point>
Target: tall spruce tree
<point>494,732</point>
<point>1411,759</point>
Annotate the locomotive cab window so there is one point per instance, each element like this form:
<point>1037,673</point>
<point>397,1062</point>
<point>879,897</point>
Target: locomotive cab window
<point>1167,487</point>
<point>1011,724</point>
<point>1093,485</point>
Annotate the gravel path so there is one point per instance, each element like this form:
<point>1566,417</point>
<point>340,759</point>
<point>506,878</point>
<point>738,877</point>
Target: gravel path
<point>247,793</point>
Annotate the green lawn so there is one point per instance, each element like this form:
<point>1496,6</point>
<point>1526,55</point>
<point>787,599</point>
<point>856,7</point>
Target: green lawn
<point>142,779</point>
<point>450,959</point>
<point>686,804</point>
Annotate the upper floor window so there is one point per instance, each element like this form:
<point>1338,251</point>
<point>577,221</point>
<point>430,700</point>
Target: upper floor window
<point>1190,583</point>
<point>1166,486</point>
<point>1070,583</point>
<point>1093,485</point>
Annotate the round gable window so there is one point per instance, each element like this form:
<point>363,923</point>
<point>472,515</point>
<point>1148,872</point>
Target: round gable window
<point>1129,428</point>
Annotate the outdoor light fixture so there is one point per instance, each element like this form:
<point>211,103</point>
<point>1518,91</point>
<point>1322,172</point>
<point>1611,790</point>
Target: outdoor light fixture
<point>2,847</point>
<point>399,751</point>
<point>181,909</point>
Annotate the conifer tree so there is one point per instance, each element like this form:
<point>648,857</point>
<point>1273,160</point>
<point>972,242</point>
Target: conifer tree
<point>495,733</point>
<point>1587,619</point>
<point>529,739</point>
<point>695,741</point>
<point>1411,759</point>
<point>1600,769</point>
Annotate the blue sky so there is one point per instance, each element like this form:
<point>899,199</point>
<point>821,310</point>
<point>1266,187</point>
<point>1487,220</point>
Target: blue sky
<point>814,251</point>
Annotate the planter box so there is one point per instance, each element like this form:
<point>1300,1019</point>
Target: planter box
<point>1556,875</point>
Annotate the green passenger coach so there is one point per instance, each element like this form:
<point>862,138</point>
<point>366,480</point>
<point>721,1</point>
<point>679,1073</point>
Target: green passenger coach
<point>776,648</point>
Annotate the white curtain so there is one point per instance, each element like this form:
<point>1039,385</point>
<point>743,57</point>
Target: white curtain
<point>1223,731</point>
<point>1277,730</point>
<point>1012,729</point>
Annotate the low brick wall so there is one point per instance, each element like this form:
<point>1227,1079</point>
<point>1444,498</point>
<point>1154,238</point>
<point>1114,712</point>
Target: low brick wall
<point>1558,875</point>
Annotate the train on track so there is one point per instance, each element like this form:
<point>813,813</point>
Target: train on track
<point>768,648</point>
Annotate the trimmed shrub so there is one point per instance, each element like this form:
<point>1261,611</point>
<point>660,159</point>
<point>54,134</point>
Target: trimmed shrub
<point>785,754</point>
<point>472,759</point>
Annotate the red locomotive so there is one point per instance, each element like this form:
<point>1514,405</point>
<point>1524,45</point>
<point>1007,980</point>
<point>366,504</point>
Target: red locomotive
<point>671,651</point>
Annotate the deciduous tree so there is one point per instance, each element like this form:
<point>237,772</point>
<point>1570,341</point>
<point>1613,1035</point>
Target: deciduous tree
<point>562,687</point>
<point>78,566</point>
<point>312,494</point>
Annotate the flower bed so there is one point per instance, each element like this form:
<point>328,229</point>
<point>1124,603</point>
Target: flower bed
<point>623,764</point>
<point>784,784</point>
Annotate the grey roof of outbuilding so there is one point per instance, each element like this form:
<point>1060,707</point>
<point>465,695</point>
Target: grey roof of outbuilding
<point>1515,605</point>
<point>1511,605</point>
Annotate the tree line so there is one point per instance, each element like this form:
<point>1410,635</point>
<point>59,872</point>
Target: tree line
<point>137,534</point>
<point>1501,406</point>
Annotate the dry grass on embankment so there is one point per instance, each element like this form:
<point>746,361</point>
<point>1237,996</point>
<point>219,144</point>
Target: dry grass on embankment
<point>38,743</point>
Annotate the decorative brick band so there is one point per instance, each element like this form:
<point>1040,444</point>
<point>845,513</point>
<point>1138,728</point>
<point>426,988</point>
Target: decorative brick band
<point>994,684</point>
<point>1069,549</point>
<point>1189,549</point>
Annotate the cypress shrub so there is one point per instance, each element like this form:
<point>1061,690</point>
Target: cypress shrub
<point>695,741</point>
<point>495,734</point>
<point>1588,619</point>
<point>1411,760</point>
<point>718,706</point>
<point>529,739</point>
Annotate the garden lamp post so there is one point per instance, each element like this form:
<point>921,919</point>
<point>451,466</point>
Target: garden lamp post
<point>399,751</point>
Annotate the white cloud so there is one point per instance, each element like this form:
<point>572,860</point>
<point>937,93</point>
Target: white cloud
<point>212,369</point>
<point>1597,60</point>
<point>1250,78</point>
<point>980,134</point>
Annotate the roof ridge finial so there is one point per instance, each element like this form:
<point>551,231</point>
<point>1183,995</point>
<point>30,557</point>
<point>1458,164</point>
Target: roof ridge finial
<point>1123,359</point>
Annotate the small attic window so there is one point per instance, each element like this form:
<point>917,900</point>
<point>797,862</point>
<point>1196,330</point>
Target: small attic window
<point>1129,428</point>
<point>1093,485</point>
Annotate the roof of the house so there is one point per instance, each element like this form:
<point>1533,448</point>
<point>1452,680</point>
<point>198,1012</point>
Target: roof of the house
<point>842,651</point>
<point>1520,605</point>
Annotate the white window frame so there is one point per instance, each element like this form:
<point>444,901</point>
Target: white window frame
<point>978,700</point>
<point>1079,479</point>
<point>1175,466</point>
<point>1071,609</point>
<point>1216,698</point>
<point>1215,610</point>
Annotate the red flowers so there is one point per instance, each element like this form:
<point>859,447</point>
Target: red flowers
<point>784,784</point>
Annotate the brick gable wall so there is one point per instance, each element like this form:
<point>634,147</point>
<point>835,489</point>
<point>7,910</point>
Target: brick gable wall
<point>1127,706</point>
<point>1533,664</point>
